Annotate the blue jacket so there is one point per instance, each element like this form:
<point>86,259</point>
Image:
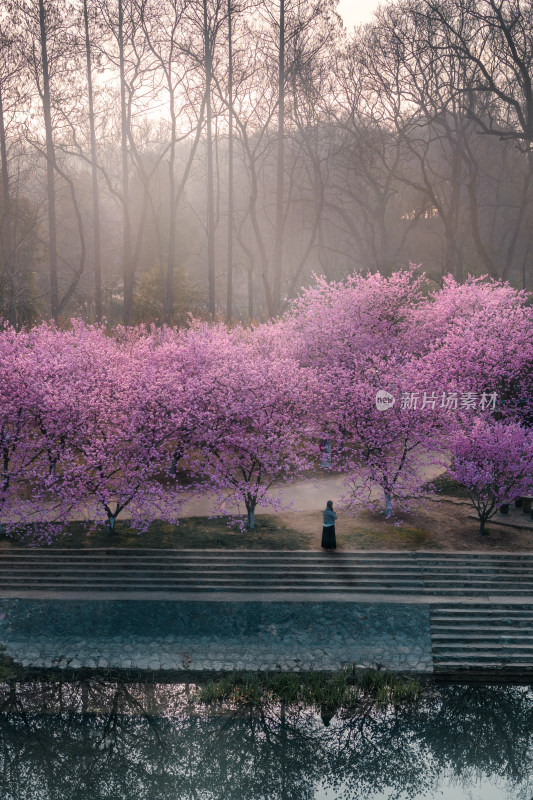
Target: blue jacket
<point>329,517</point>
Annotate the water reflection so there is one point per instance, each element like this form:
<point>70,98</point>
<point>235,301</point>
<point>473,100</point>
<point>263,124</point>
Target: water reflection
<point>96,741</point>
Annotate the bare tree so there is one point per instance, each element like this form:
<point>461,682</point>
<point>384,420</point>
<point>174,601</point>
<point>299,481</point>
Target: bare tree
<point>167,30</point>
<point>94,170</point>
<point>493,40</point>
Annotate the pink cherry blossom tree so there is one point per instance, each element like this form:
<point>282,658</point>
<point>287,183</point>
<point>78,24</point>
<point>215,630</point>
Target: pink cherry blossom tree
<point>20,444</point>
<point>342,325</point>
<point>494,462</point>
<point>103,415</point>
<point>393,449</point>
<point>254,428</point>
<point>476,339</point>
<point>358,334</point>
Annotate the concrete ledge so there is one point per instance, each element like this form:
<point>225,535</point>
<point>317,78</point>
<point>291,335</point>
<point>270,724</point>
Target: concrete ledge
<point>268,597</point>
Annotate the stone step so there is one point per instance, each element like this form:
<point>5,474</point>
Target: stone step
<point>411,587</point>
<point>498,626</point>
<point>330,564</point>
<point>483,644</point>
<point>220,584</point>
<point>498,634</point>
<point>492,586</point>
<point>222,574</point>
<point>329,567</point>
<point>479,609</point>
<point>453,666</point>
<point>245,579</point>
<point>511,615</point>
<point>180,587</point>
<point>515,612</point>
<point>487,656</point>
<point>36,554</point>
<point>466,613</point>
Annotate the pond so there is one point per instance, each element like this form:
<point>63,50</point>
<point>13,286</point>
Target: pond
<point>96,739</point>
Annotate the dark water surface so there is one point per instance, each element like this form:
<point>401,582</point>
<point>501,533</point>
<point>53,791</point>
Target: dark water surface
<point>94,740</point>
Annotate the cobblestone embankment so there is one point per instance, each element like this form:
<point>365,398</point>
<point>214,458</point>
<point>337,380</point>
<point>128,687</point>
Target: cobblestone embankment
<point>187,635</point>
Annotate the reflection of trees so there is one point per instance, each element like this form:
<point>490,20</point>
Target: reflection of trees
<point>115,742</point>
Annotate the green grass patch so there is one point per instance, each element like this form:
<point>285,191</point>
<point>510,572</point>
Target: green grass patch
<point>446,486</point>
<point>8,670</point>
<point>192,532</point>
<point>389,536</point>
<point>346,689</point>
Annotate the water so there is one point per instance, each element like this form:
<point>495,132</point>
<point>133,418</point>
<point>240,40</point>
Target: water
<point>96,740</point>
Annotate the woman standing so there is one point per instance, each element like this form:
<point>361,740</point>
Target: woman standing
<point>328,531</point>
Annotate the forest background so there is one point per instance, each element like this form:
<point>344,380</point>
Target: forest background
<point>162,157</point>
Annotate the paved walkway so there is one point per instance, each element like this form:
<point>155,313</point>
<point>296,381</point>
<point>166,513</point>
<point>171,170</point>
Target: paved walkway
<point>309,494</point>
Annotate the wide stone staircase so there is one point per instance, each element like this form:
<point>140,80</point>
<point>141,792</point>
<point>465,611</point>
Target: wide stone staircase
<point>309,574</point>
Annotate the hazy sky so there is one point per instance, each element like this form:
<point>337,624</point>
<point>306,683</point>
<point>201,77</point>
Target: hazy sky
<point>354,11</point>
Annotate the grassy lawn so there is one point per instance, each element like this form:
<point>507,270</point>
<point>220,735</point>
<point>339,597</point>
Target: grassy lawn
<point>192,532</point>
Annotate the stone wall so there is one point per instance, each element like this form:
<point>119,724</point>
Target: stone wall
<point>215,635</point>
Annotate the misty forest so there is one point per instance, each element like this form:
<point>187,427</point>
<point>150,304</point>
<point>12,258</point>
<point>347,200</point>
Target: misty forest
<point>161,158</point>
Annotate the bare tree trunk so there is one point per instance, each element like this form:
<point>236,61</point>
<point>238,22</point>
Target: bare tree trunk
<point>3,156</point>
<point>94,171</point>
<point>50,167</point>
<point>278,241</point>
<point>250,280</point>
<point>6,227</point>
<point>258,236</point>
<point>126,229</point>
<point>210,189</point>
<point>231,205</point>
<point>168,300</point>
<point>454,254</point>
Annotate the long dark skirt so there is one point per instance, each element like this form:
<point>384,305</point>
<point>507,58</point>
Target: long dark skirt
<point>328,537</point>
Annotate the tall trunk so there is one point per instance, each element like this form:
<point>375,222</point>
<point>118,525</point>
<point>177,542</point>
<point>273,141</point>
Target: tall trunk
<point>50,167</point>
<point>388,504</point>
<point>176,194</point>
<point>251,503</point>
<point>278,240</point>
<point>94,172</point>
<point>6,243</point>
<point>456,252</point>
<point>229,292</point>
<point>168,299</point>
<point>127,260</point>
<point>250,255</point>
<point>482,521</point>
<point>250,278</point>
<point>3,156</point>
<point>111,519</point>
<point>525,262</point>
<point>210,190</point>
<point>259,238</point>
